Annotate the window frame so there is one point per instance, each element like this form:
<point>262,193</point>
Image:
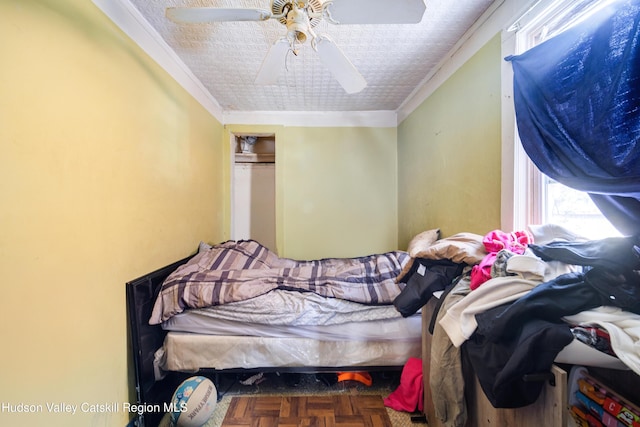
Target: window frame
<point>524,192</point>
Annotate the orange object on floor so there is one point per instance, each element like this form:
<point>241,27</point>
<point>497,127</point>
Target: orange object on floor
<point>363,377</point>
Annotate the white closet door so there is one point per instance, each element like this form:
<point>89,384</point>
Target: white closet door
<point>254,209</point>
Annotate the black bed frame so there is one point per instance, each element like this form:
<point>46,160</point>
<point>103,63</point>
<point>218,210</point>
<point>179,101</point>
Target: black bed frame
<point>146,339</point>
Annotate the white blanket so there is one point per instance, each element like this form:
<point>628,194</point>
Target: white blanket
<point>292,308</point>
<point>623,328</point>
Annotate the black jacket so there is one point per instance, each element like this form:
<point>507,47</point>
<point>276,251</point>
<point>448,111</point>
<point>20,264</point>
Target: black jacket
<point>425,277</point>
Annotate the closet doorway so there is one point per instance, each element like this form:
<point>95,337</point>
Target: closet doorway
<point>254,189</point>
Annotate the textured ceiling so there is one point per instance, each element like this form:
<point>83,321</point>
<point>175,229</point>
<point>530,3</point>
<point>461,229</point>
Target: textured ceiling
<point>394,59</point>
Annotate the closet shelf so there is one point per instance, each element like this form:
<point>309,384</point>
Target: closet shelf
<point>255,157</point>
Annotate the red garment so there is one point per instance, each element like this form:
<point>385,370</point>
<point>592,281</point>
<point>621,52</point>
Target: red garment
<point>409,396</point>
<point>494,242</point>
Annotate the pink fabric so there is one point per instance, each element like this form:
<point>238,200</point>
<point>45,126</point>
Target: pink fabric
<point>494,242</point>
<point>409,396</point>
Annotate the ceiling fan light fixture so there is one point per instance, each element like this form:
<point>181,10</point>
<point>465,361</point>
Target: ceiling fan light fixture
<point>298,24</point>
<point>297,35</point>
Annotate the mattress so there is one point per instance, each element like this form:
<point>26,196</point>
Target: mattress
<point>289,329</point>
<point>188,352</point>
<point>396,329</point>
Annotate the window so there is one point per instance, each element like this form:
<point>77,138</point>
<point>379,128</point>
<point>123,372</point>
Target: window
<point>545,200</point>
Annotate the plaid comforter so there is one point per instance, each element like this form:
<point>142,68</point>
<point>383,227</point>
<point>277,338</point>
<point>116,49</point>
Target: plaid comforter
<point>235,271</point>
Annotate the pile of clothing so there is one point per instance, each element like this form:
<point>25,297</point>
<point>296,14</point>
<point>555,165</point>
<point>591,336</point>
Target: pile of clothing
<point>522,298</point>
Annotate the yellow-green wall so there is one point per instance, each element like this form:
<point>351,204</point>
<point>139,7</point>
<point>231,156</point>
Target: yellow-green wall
<point>340,191</point>
<point>336,190</point>
<point>108,170</point>
<point>449,153</point>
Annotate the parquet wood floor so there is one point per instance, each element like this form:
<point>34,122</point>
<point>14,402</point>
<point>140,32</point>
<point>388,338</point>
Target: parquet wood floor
<point>312,411</point>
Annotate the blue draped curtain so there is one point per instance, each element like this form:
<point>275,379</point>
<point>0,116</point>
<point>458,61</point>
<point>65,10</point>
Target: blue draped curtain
<point>577,103</point>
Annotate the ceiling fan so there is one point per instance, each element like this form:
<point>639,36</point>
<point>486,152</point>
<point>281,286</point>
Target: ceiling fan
<point>300,17</point>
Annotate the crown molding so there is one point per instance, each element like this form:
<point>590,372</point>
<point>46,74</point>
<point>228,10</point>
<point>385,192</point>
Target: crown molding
<point>313,118</point>
<point>132,23</point>
<point>493,21</point>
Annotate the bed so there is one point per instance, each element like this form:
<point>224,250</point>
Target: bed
<point>216,312</point>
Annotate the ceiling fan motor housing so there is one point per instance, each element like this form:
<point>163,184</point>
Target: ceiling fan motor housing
<point>314,7</point>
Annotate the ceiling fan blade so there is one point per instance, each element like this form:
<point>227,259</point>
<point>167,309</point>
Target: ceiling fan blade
<point>273,63</point>
<point>377,11</point>
<point>215,14</point>
<point>339,65</point>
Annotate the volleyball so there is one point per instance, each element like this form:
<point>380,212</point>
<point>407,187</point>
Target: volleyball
<point>193,402</point>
